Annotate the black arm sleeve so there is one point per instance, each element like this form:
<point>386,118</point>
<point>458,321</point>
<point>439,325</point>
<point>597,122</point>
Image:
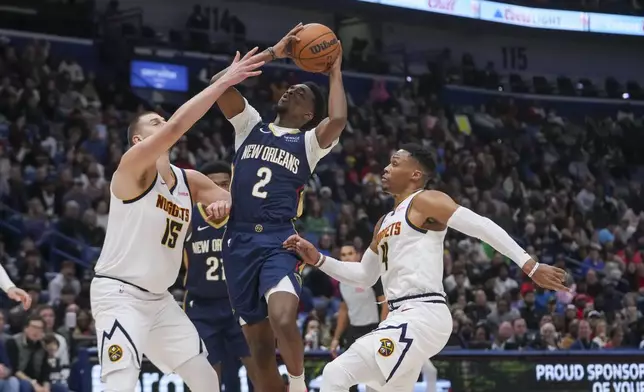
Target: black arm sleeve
<point>378,289</point>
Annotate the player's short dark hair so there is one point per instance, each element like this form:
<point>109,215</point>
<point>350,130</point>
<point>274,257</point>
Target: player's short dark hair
<point>351,244</point>
<point>423,156</point>
<point>216,167</point>
<point>133,126</point>
<point>49,339</point>
<point>34,317</point>
<point>319,106</point>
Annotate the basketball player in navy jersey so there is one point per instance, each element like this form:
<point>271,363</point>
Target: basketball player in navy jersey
<point>206,300</point>
<point>272,163</point>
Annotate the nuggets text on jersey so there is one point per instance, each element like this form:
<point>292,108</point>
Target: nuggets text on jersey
<point>273,155</point>
<point>172,209</point>
<point>391,230</point>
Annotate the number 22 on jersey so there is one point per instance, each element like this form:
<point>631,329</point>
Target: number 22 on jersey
<point>215,270</point>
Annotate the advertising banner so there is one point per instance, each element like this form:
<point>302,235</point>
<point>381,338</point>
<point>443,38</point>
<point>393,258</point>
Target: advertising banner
<point>586,371</point>
<point>461,371</point>
<point>534,17</point>
<point>616,24</point>
<point>160,76</point>
<point>540,18</point>
<point>462,8</point>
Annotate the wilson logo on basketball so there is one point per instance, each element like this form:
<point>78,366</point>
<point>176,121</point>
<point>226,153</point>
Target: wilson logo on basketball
<point>324,45</point>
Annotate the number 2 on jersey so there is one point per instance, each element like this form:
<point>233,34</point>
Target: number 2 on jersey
<point>215,269</point>
<point>171,233</point>
<point>384,249</point>
<point>265,174</point>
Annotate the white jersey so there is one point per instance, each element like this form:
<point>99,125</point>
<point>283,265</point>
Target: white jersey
<point>144,240</point>
<point>412,257</point>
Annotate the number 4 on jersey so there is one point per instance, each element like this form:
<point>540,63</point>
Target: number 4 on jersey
<point>384,249</point>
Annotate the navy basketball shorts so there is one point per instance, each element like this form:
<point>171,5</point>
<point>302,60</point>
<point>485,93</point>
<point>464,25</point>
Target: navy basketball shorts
<point>217,327</point>
<point>255,262</point>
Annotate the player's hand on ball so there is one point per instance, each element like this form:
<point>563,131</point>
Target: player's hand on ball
<point>307,252</point>
<point>20,295</point>
<point>284,48</point>
<point>550,278</point>
<point>218,210</point>
<point>242,68</point>
<point>336,67</point>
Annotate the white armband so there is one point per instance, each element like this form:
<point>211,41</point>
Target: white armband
<point>5,281</point>
<point>363,274</point>
<point>475,225</point>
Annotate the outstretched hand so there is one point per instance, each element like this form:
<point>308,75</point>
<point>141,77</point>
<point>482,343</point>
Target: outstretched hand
<point>284,48</point>
<point>20,295</point>
<point>242,68</point>
<point>307,252</point>
<point>550,278</point>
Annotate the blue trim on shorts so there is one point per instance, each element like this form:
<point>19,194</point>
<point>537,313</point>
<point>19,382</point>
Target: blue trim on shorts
<point>108,335</point>
<point>403,339</point>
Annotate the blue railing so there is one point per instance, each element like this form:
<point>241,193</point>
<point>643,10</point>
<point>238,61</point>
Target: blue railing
<point>56,245</point>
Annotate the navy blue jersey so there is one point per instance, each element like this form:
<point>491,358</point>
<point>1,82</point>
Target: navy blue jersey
<point>271,167</point>
<point>205,277</point>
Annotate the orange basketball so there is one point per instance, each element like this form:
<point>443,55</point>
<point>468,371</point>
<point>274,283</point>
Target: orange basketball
<point>318,48</point>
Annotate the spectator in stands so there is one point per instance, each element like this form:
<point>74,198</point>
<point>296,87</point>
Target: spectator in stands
<point>528,309</point>
<point>584,341</point>
<point>31,268</point>
<point>519,338</point>
<point>4,336</point>
<point>600,335</point>
<point>502,340</point>
<point>93,235</point>
<point>571,336</point>
<point>28,356</point>
<point>502,313</point>
<point>59,372</point>
<point>46,312</point>
<point>8,383</point>
<point>547,338</point>
<point>65,278</point>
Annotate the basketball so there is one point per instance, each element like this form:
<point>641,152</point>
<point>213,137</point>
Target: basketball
<point>317,49</point>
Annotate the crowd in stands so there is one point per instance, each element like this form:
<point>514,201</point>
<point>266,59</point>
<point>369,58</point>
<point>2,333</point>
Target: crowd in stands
<point>563,187</point>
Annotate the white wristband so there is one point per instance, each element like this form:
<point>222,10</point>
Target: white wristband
<point>534,269</point>
<point>320,261</point>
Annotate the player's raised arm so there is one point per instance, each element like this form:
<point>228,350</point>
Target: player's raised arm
<point>206,192</point>
<point>331,127</point>
<point>143,155</point>
<point>439,207</point>
<point>363,274</point>
<point>231,103</point>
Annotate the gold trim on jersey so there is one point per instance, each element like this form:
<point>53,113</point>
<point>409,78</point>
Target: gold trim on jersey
<point>300,203</point>
<point>204,215</point>
<point>287,131</point>
<point>186,265</point>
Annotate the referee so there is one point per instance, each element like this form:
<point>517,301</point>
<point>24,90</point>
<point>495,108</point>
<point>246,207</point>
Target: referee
<point>361,310</point>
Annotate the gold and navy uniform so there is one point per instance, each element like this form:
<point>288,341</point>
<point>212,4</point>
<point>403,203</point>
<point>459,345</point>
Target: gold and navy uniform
<point>270,169</point>
<point>206,301</point>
